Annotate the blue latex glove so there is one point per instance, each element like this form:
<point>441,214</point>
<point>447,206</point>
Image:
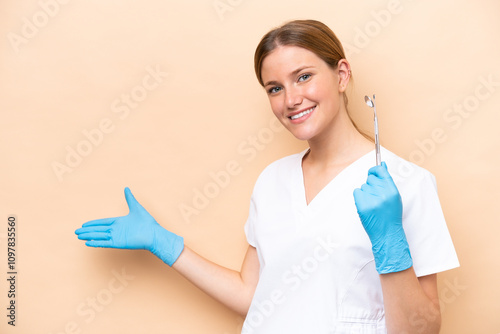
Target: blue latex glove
<point>137,230</point>
<point>381,212</point>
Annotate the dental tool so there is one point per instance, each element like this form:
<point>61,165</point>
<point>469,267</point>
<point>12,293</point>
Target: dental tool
<point>371,104</point>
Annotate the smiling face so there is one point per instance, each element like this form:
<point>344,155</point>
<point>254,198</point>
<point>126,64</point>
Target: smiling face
<point>304,91</point>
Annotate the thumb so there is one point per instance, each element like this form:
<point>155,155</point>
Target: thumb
<point>131,201</point>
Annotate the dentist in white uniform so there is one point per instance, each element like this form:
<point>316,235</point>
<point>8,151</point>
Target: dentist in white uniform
<point>336,244</point>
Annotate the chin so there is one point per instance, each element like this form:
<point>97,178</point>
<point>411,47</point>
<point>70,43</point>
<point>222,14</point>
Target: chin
<point>302,135</point>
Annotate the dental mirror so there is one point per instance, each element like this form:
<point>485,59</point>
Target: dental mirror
<point>371,104</point>
<point>369,101</point>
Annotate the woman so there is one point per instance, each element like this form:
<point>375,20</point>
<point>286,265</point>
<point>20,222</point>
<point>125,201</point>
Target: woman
<point>319,260</point>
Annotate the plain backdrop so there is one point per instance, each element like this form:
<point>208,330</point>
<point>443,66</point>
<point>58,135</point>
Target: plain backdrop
<point>160,96</point>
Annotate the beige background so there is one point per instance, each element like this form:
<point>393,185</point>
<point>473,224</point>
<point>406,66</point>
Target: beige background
<point>65,70</point>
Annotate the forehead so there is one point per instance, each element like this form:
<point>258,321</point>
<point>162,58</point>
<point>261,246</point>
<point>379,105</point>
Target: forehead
<point>285,59</point>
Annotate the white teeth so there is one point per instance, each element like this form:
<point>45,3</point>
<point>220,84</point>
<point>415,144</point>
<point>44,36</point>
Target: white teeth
<point>302,113</point>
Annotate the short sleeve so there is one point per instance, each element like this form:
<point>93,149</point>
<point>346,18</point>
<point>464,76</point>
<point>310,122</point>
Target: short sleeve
<point>250,223</point>
<point>430,242</point>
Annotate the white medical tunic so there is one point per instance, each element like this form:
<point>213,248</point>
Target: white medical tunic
<point>317,270</point>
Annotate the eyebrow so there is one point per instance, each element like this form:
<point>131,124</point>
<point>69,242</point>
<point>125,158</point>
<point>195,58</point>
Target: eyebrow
<point>294,73</point>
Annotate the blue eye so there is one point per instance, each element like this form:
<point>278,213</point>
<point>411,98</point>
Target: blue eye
<point>273,90</point>
<point>304,77</point>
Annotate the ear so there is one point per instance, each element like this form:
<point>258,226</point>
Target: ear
<point>344,70</point>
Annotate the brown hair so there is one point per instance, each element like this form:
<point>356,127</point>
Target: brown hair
<point>308,34</point>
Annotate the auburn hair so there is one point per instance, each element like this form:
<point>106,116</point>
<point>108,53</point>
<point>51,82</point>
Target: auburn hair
<point>312,35</point>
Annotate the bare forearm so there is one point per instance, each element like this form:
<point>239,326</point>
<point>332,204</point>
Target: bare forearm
<point>223,284</point>
<point>408,307</point>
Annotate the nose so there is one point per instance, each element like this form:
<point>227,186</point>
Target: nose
<point>293,97</point>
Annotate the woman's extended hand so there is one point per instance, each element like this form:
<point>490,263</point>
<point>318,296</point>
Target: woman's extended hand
<point>137,230</point>
<point>381,212</point>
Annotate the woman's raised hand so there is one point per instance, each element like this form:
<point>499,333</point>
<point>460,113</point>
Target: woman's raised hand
<point>137,230</point>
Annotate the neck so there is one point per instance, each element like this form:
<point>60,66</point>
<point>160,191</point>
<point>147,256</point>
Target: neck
<point>340,144</point>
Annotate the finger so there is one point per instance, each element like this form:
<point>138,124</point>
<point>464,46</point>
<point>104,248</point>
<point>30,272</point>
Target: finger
<point>375,181</point>
<point>359,198</point>
<point>357,193</point>
<point>380,171</point>
<point>97,222</point>
<point>95,236</point>
<point>369,190</point>
<point>88,229</point>
<point>363,192</point>
<point>92,229</point>
<point>99,243</point>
